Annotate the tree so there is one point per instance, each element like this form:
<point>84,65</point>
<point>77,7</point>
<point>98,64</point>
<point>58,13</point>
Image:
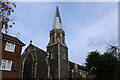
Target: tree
<point>92,60</point>
<point>107,67</point>
<point>7,8</point>
<point>102,65</point>
<point>113,49</point>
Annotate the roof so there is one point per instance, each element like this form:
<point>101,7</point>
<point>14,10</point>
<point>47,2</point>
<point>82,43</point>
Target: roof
<point>11,39</point>
<point>79,66</point>
<point>31,47</point>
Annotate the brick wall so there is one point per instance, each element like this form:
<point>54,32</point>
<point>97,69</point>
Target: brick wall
<point>13,56</point>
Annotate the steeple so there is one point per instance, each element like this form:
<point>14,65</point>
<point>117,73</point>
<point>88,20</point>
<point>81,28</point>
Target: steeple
<point>57,20</point>
<point>57,35</point>
<point>58,51</point>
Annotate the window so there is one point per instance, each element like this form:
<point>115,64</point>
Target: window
<point>52,55</point>
<point>6,65</point>
<point>63,53</point>
<point>10,47</point>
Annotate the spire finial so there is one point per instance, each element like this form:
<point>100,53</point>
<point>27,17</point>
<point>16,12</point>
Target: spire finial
<point>57,8</point>
<point>30,41</point>
<point>57,20</point>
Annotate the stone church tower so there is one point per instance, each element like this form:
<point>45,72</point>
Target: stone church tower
<point>57,49</point>
<point>53,63</point>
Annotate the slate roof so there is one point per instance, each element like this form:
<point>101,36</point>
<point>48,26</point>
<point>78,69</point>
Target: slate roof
<point>11,39</point>
<point>79,66</point>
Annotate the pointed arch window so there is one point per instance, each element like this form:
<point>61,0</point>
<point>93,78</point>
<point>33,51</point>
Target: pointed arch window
<point>52,39</point>
<point>28,67</point>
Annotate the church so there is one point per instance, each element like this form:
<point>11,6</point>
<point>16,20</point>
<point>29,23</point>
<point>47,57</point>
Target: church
<point>53,63</point>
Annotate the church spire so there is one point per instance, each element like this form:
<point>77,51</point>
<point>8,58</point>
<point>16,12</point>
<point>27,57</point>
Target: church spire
<point>57,20</point>
<point>57,35</point>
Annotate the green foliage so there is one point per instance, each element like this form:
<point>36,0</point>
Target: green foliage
<point>107,66</point>
<point>103,65</point>
<point>92,59</point>
<point>7,8</point>
<point>112,49</point>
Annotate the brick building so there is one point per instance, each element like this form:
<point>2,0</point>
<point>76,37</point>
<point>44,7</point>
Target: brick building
<point>10,56</point>
<point>53,63</point>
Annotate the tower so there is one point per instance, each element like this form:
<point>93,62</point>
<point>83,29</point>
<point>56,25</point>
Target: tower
<point>57,49</point>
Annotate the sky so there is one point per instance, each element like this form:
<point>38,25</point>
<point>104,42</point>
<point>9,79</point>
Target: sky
<point>88,26</point>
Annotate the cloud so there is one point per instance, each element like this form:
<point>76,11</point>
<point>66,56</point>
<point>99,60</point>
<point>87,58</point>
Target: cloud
<point>96,36</point>
<point>93,42</point>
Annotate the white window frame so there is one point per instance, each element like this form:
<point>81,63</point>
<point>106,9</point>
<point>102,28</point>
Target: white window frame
<point>6,65</point>
<point>10,47</point>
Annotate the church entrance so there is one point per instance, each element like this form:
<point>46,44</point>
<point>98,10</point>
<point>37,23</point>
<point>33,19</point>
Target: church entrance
<point>28,68</point>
